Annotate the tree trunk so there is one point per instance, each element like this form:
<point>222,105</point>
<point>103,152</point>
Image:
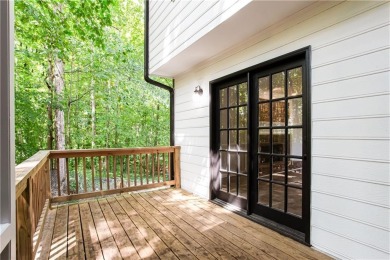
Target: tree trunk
<point>93,114</point>
<point>58,83</point>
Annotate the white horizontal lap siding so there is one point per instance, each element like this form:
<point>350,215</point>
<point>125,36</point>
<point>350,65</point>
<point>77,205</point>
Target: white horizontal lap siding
<point>350,119</point>
<point>175,25</point>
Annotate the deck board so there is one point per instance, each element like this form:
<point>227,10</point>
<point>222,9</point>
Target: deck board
<point>160,224</point>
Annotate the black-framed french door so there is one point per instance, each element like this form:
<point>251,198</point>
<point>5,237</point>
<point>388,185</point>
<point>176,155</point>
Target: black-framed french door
<point>232,132</point>
<point>260,140</point>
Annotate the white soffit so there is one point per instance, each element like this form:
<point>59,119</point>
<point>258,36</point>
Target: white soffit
<point>248,21</point>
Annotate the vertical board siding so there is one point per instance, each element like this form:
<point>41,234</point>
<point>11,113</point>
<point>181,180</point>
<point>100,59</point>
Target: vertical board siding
<point>350,119</point>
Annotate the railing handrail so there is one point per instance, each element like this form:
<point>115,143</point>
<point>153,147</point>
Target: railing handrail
<point>109,151</point>
<point>28,168</point>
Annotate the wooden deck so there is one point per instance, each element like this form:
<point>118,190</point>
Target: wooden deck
<point>163,224</point>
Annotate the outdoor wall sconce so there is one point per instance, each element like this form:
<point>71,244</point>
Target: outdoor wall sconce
<point>198,90</point>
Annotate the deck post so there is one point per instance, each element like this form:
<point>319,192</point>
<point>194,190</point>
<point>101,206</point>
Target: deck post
<point>23,224</point>
<point>177,167</point>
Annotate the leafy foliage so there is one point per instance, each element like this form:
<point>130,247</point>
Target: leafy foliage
<point>106,102</point>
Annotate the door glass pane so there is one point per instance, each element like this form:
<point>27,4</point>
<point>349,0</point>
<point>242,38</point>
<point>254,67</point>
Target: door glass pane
<point>223,98</point>
<point>233,183</point>
<point>294,82</point>
<point>263,193</point>
<point>295,172</point>
<point>233,118</point>
<point>243,93</point>
<point>278,113</point>
<point>242,140</point>
<point>264,93</point>
<point>278,197</point>
<point>224,181</point>
<point>233,140</point>
<point>242,117</point>
<point>264,167</point>
<point>223,119</point>
<point>264,141</point>
<point>264,112</point>
<point>278,172</point>
<point>295,111</point>
<point>278,85</point>
<point>242,188</point>
<point>233,96</point>
<point>278,146</point>
<point>243,163</point>
<point>224,159</point>
<point>294,141</point>
<point>224,140</point>
<point>294,205</point>
<point>233,162</point>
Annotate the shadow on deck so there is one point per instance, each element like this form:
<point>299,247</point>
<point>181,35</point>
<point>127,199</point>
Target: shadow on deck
<point>159,224</point>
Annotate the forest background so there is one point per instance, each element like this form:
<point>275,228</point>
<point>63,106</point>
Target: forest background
<point>79,78</point>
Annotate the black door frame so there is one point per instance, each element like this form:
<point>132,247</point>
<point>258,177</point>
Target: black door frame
<point>248,73</point>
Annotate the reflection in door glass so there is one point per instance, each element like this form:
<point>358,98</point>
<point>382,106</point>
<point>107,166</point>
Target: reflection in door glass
<point>243,190</point>
<point>232,140</point>
<point>223,98</point>
<point>278,85</point>
<point>233,183</point>
<point>233,118</point>
<point>263,193</point>
<point>295,111</point>
<point>223,119</point>
<point>223,140</point>
<point>294,141</point>
<point>294,204</point>
<point>264,93</point>
<point>278,113</point>
<point>264,113</point>
<point>294,82</point>
<point>224,181</point>
<point>243,93</point>
<point>232,96</point>
<point>278,197</point>
<point>242,140</point>
<point>294,172</point>
<point>242,117</point>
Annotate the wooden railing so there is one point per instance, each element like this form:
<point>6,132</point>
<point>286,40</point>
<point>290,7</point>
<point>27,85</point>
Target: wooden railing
<point>57,176</point>
<point>32,194</point>
<point>79,174</point>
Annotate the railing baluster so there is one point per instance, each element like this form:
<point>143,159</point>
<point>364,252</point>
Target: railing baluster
<point>121,168</point>
<point>58,177</point>
<point>67,176</point>
<point>140,169</point>
<point>100,173</point>
<point>135,170</point>
<point>158,167</point>
<point>128,169</point>
<point>147,175</point>
<point>93,173</point>
<point>152,167</point>
<point>164,167</point>
<point>108,172</point>
<point>85,175</point>
<point>114,166</point>
<point>76,175</point>
<point>169,166</point>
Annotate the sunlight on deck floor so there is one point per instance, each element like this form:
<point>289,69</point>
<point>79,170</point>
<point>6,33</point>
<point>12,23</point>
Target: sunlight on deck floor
<point>162,224</point>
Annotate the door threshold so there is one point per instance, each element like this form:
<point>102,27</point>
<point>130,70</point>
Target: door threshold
<point>281,229</point>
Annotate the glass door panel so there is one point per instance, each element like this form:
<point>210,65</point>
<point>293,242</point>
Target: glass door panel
<point>233,128</point>
<point>280,143</point>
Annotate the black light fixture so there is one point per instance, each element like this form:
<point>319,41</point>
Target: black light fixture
<point>198,90</point>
